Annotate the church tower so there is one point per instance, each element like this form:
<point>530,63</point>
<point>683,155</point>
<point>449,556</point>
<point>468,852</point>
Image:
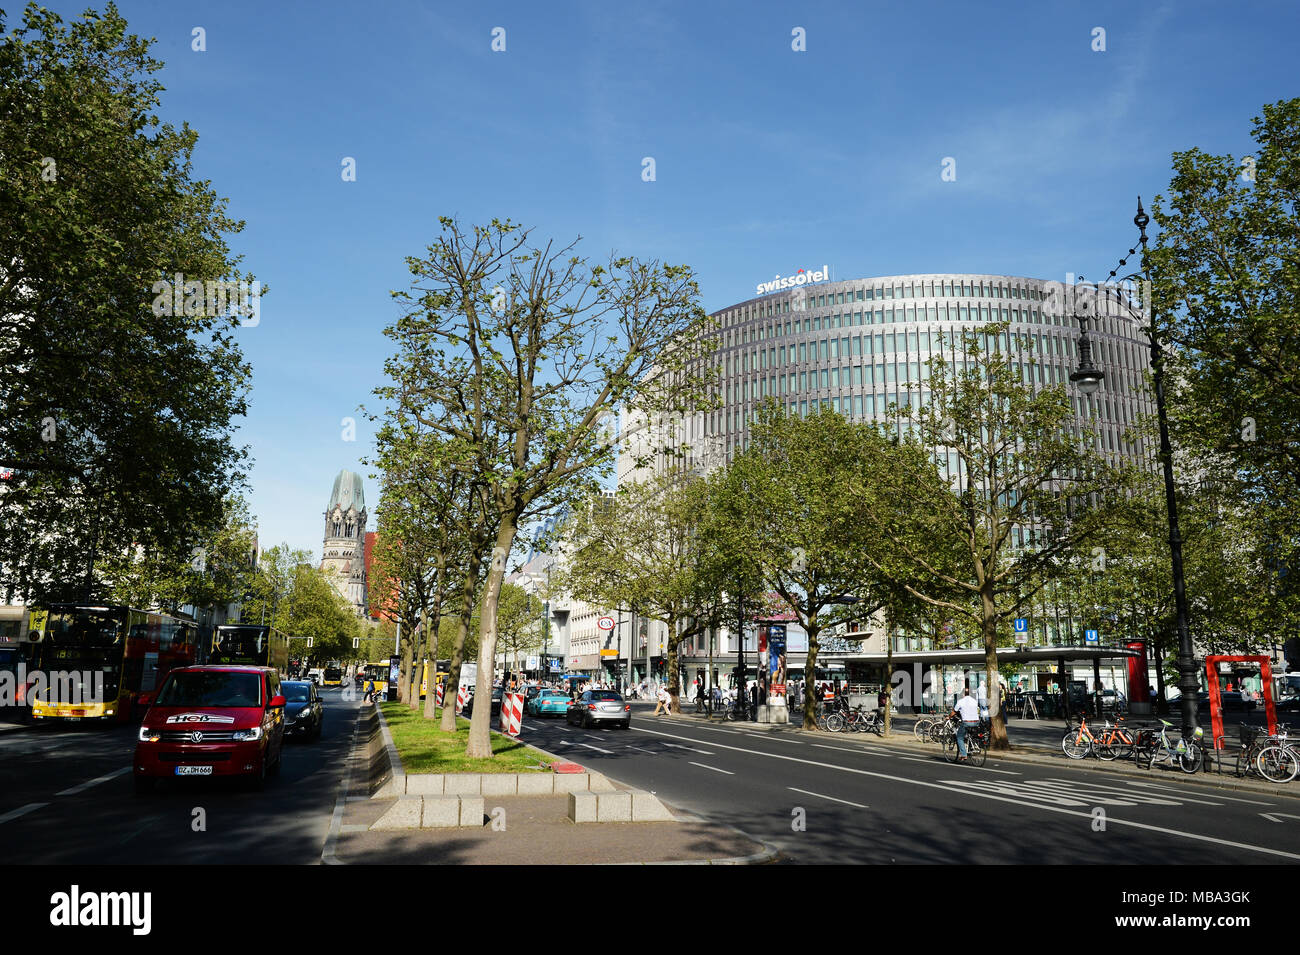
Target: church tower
<point>343,550</point>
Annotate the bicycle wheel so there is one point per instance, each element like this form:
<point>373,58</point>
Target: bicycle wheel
<point>835,723</point>
<point>1106,750</point>
<point>921,729</point>
<point>975,751</point>
<point>950,752</point>
<point>1190,759</point>
<point>1278,764</point>
<point>1075,744</point>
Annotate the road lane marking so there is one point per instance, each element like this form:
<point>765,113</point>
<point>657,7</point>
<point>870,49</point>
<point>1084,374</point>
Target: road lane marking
<point>714,768</point>
<point>22,811</point>
<point>1172,789</point>
<point>95,782</point>
<point>702,752</point>
<point>1112,820</point>
<point>648,752</point>
<point>1155,799</point>
<point>607,752</point>
<point>831,798</point>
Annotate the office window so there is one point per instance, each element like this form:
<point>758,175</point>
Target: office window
<point>889,343</point>
<point>803,409</point>
<point>889,291</point>
<point>825,379</point>
<point>803,351</point>
<point>835,377</point>
<point>890,373</point>
<point>859,295</point>
<point>803,381</point>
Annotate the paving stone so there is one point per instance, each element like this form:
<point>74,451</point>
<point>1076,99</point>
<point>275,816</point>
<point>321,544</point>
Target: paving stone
<point>572,784</point>
<point>613,807</point>
<point>441,812</point>
<point>462,784</point>
<point>536,784</point>
<point>424,784</point>
<point>403,814</point>
<point>499,784</point>
<point>582,807</point>
<point>471,811</point>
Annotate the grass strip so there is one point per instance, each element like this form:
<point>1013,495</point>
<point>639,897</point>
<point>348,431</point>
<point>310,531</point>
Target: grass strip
<point>424,748</point>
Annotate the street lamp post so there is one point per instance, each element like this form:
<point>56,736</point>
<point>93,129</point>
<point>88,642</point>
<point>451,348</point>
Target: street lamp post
<point>1088,378</point>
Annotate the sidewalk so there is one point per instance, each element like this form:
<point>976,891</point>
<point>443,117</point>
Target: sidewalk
<point>1043,752</point>
<point>527,830</point>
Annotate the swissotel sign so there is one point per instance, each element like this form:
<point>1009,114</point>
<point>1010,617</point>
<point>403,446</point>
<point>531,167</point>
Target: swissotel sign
<point>802,277</point>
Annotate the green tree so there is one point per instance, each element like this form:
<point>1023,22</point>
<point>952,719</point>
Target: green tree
<point>118,416</point>
<point>644,550</point>
<point>1023,493</point>
<point>1225,274</point>
<point>794,498</point>
<point>518,356</point>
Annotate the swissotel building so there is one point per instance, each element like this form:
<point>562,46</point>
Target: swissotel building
<point>860,345</point>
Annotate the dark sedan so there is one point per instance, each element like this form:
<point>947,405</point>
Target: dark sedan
<point>496,704</point>
<point>304,713</point>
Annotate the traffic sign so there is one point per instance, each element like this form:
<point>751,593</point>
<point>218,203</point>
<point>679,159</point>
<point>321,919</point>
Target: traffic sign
<point>1090,636</point>
<point>1022,625</point>
<point>605,623</point>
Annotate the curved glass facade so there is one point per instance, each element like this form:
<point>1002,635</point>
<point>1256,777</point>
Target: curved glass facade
<point>859,345</point>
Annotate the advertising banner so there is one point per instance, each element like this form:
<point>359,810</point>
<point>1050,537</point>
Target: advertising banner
<point>776,662</point>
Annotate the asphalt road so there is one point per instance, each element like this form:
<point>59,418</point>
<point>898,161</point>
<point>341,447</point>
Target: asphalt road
<point>66,797</point>
<point>864,803</point>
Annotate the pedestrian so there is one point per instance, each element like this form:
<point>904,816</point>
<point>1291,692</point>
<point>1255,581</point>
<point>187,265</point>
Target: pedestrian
<point>370,691</point>
<point>664,700</point>
<point>968,711</point>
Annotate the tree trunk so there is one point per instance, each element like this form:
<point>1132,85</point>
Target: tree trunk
<point>811,698</point>
<point>480,735</point>
<point>404,671</point>
<point>417,664</point>
<point>889,671</point>
<point>998,734</point>
<point>431,641</point>
<point>469,590</point>
<point>674,683</point>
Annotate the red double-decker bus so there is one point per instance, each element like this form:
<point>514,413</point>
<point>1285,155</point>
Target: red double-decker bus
<point>96,661</point>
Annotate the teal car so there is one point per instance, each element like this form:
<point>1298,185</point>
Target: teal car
<point>548,703</point>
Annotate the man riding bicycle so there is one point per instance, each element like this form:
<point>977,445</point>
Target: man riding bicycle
<point>968,711</point>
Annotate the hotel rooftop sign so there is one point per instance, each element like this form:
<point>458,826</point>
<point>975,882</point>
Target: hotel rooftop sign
<point>802,277</point>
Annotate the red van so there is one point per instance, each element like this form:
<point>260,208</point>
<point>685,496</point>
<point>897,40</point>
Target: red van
<point>212,721</point>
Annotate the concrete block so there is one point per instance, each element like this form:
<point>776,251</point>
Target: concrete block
<point>392,786</point>
<point>575,783</point>
<point>500,784</point>
<point>424,784</point>
<point>536,784</point>
<point>613,807</point>
<point>405,813</point>
<point>582,807</point>
<point>646,807</point>
<point>461,784</point>
<point>773,713</point>
<point>441,812</point>
<point>471,811</point>
<point>597,783</point>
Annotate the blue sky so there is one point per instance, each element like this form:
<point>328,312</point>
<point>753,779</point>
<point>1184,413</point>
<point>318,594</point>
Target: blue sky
<point>767,160</point>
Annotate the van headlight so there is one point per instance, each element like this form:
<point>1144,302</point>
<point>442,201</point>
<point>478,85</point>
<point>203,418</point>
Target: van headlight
<point>149,736</point>
<point>242,736</point>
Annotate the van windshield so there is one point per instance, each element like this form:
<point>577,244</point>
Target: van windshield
<point>211,689</point>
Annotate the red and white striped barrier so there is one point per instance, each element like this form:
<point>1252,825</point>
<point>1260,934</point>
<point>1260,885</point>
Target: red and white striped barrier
<point>439,692</point>
<point>512,713</point>
<point>462,697</point>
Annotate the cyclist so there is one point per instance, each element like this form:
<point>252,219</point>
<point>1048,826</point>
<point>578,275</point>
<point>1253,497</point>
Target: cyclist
<point>968,711</point>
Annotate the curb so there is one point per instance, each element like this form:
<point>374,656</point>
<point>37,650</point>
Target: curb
<point>1040,755</point>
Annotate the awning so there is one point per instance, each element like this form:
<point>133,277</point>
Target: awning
<point>976,656</point>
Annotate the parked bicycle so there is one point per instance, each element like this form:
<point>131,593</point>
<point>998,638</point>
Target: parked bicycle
<point>1152,748</point>
<point>1279,761</point>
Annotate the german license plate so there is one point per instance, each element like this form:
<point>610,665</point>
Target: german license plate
<point>193,770</point>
